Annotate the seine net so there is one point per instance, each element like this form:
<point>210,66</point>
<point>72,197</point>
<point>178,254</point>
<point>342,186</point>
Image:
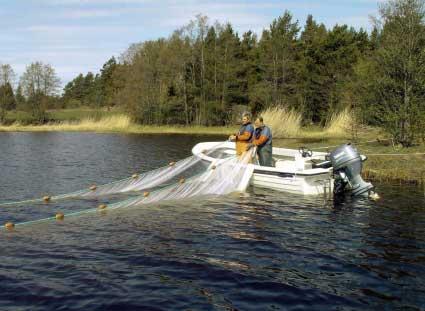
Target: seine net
<point>222,176</point>
<point>139,182</point>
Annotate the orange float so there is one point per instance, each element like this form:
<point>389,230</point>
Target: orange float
<point>9,225</point>
<point>59,216</point>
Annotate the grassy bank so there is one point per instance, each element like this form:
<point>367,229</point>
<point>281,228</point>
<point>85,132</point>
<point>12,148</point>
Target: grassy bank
<point>60,115</point>
<point>385,161</point>
<point>77,120</point>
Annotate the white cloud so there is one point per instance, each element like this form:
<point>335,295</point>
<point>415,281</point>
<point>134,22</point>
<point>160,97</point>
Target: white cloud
<point>92,13</point>
<point>355,21</point>
<point>56,32</point>
<point>91,2</point>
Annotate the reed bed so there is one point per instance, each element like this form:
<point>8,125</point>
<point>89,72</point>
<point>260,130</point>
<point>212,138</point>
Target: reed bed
<point>120,123</point>
<point>340,124</point>
<point>284,123</point>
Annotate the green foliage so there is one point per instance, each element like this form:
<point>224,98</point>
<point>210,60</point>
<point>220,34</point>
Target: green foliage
<point>7,100</point>
<point>39,84</point>
<point>20,99</point>
<point>206,74</point>
<point>391,81</point>
<point>278,60</point>
<point>203,74</point>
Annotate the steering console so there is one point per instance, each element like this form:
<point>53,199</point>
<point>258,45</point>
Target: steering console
<point>305,152</point>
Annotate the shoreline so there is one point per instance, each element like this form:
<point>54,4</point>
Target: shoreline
<point>127,129</point>
<point>405,169</point>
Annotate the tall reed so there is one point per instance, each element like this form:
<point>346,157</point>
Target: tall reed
<point>340,124</point>
<point>284,123</point>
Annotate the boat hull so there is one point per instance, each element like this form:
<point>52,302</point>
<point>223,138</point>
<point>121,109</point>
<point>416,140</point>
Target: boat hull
<point>288,182</point>
<point>292,173</point>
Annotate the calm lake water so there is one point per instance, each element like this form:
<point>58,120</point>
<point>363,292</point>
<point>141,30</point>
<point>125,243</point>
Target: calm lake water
<point>265,251</point>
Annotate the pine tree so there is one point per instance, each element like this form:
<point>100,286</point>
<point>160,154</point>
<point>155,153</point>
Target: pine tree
<point>278,54</point>
<point>7,100</point>
<point>20,99</point>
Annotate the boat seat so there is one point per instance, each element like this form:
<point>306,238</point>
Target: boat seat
<point>322,164</point>
<point>291,166</point>
<point>285,165</point>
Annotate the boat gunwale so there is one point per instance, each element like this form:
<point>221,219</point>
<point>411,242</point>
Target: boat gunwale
<point>258,169</point>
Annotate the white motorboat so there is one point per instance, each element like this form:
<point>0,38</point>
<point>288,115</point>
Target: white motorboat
<point>300,171</point>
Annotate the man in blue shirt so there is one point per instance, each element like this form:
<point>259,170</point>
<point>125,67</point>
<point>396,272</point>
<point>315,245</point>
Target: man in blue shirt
<point>263,141</point>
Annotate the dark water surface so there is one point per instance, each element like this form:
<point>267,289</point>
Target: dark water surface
<point>265,251</point>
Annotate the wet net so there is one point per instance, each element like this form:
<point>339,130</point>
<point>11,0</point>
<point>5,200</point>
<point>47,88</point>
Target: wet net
<point>137,182</point>
<point>224,177</point>
<point>225,174</point>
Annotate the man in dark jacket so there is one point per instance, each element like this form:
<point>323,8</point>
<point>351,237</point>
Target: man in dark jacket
<point>263,141</point>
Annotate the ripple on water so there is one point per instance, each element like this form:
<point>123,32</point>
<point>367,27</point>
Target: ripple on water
<point>264,251</point>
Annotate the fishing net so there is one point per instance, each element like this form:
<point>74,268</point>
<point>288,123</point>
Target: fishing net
<point>223,176</point>
<point>137,182</point>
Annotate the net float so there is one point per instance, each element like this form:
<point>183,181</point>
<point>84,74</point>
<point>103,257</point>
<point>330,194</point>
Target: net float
<point>134,176</point>
<point>102,206</point>
<point>59,216</point>
<point>182,180</point>
<point>146,194</point>
<point>9,225</point>
<point>93,187</point>
<point>46,198</point>
<point>172,163</point>
<point>374,196</point>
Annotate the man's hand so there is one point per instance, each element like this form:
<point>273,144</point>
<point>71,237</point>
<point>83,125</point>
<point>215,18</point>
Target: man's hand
<point>232,137</point>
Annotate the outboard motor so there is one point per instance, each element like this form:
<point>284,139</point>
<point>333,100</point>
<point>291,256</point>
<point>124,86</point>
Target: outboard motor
<point>347,166</point>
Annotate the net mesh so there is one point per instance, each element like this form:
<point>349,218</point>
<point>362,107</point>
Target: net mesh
<point>224,175</point>
<point>220,178</point>
<point>138,182</point>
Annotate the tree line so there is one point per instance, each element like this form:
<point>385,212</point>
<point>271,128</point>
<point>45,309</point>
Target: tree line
<point>36,91</point>
<point>204,74</point>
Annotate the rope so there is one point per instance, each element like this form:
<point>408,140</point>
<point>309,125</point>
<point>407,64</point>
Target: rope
<point>396,154</point>
<point>357,144</point>
<point>87,211</point>
<point>72,214</point>
<point>376,154</point>
<point>122,204</point>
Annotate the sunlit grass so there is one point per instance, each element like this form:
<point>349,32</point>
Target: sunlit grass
<point>80,114</point>
<point>120,123</point>
<point>340,124</point>
<point>284,123</point>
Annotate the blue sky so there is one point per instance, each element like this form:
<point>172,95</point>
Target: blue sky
<point>80,35</point>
